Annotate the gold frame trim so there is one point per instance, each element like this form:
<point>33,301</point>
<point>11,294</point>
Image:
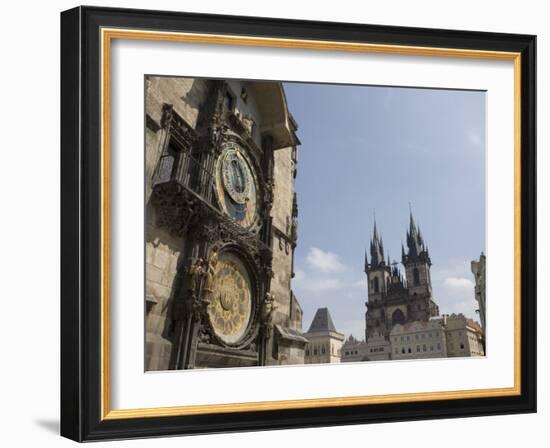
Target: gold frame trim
<point>107,35</point>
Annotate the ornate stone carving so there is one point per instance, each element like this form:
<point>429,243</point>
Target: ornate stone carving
<point>211,268</point>
<point>266,315</point>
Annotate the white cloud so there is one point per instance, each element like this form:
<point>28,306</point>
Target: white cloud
<point>321,284</point>
<point>456,296</point>
<point>459,285</point>
<point>325,262</point>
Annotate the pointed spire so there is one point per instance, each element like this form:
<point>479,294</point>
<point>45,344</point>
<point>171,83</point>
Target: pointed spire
<point>376,248</point>
<point>366,261</point>
<point>416,246</point>
<point>414,239</point>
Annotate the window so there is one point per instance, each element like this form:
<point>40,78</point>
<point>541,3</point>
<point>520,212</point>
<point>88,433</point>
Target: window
<point>424,347</point>
<point>409,350</point>
<point>347,353</point>
<point>307,352</point>
<point>315,351</point>
<point>416,277</point>
<point>376,285</point>
<point>423,335</point>
<point>323,351</point>
<point>416,336</point>
<point>402,338</point>
<point>408,338</point>
<point>418,348</point>
<point>403,350</point>
<point>429,335</point>
<point>431,348</point>
<point>461,346</point>
<point>439,345</point>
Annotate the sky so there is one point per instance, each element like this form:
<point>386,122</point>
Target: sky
<point>368,152</point>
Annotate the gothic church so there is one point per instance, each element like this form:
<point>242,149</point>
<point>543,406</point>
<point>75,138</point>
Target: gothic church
<point>392,298</point>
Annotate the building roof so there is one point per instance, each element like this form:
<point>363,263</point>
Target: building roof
<point>322,322</point>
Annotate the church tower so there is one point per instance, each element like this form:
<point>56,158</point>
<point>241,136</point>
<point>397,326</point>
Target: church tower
<point>378,271</point>
<point>416,261</point>
<point>378,277</point>
<point>393,298</point>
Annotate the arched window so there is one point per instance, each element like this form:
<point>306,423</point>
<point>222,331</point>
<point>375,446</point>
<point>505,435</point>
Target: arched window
<point>416,277</point>
<point>397,317</point>
<point>376,285</point>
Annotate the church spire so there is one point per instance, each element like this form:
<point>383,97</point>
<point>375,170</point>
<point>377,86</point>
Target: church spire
<point>414,238</point>
<point>416,246</point>
<point>376,249</point>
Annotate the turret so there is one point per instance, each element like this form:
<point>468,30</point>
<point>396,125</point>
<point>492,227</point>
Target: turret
<point>376,249</point>
<point>416,260</point>
<point>378,272</point>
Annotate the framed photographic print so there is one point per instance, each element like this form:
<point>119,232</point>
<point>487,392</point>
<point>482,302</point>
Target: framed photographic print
<point>276,224</point>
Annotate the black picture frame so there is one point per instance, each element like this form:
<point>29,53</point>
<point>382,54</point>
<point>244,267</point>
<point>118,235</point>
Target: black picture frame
<point>81,224</point>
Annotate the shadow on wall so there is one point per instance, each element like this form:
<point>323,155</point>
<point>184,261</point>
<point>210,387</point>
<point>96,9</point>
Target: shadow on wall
<point>48,425</point>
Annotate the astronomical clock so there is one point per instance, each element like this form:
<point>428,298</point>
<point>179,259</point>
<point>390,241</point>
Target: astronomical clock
<point>237,186</point>
<point>213,191</point>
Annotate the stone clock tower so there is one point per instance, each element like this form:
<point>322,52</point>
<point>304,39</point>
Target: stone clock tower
<point>221,225</point>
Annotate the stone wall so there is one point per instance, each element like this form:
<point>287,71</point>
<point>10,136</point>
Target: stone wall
<point>163,251</point>
<point>282,219</point>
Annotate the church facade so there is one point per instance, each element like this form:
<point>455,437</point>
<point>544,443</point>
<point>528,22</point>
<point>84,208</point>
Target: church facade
<point>221,225</point>
<point>393,298</point>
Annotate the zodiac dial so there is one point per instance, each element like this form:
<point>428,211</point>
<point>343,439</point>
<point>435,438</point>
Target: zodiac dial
<point>236,185</point>
<point>230,304</point>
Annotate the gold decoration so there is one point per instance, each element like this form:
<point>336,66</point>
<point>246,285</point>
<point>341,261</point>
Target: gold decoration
<point>230,299</point>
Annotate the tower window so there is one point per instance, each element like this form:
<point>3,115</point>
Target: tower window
<point>416,277</point>
<point>376,285</point>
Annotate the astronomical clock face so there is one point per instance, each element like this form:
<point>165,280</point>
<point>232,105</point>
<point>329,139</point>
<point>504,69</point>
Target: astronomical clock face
<point>236,185</point>
<point>231,300</point>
